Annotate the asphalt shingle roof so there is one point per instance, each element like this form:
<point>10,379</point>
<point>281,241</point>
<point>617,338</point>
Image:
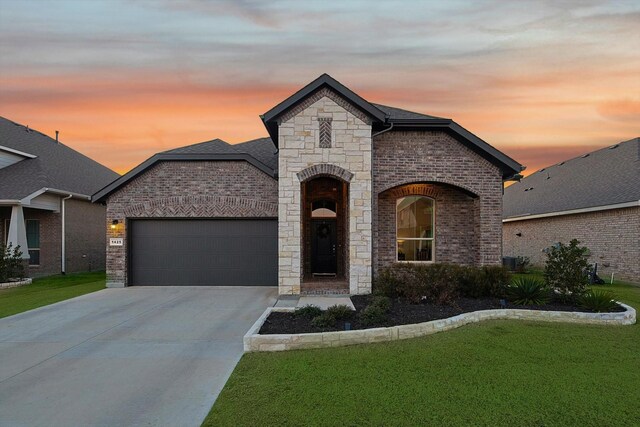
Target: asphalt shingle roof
<point>56,165</point>
<point>400,114</point>
<point>604,177</point>
<point>261,149</point>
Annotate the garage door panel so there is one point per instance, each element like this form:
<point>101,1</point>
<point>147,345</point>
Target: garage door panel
<point>203,252</point>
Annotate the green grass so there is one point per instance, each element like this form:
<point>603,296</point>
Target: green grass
<point>498,373</point>
<point>48,290</point>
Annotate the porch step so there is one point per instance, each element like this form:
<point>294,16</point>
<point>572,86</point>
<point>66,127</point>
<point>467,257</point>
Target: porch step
<point>327,286</point>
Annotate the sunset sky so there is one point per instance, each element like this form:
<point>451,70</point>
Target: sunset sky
<point>123,79</point>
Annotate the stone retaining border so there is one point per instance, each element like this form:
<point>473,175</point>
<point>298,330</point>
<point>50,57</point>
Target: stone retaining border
<point>15,284</point>
<point>253,341</point>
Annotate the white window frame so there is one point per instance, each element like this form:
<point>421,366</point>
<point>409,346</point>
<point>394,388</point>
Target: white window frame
<point>433,227</point>
<point>35,249</point>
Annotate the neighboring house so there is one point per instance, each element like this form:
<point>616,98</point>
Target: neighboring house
<point>341,189</point>
<point>45,193</point>
<point>594,198</point>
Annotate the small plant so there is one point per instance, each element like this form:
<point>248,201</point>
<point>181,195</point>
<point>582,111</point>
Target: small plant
<point>325,320</point>
<point>373,315</point>
<point>567,270</point>
<point>381,301</point>
<point>528,291</point>
<point>339,312</point>
<point>308,311</point>
<point>11,263</point>
<point>598,301</point>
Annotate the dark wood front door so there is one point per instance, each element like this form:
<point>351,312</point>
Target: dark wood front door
<point>324,251</point>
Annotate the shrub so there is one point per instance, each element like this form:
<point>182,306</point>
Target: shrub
<point>381,301</point>
<point>324,320</point>
<point>487,281</point>
<point>386,282</point>
<point>11,263</point>
<point>522,262</point>
<point>598,301</point>
<point>372,315</point>
<point>528,291</point>
<point>441,283</point>
<point>308,311</point>
<point>339,312</point>
<point>567,269</point>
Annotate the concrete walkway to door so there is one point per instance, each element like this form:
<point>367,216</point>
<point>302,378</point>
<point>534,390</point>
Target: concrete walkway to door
<point>152,356</point>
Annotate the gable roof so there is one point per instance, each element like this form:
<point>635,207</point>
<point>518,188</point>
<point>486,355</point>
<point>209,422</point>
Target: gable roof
<point>47,164</point>
<point>602,178</point>
<point>258,152</point>
<point>386,117</point>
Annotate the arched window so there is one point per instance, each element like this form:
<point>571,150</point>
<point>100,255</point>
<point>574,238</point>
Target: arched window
<point>415,228</point>
<point>323,209</point>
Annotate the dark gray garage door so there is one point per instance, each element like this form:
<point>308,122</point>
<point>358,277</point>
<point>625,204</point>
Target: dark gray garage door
<point>203,252</point>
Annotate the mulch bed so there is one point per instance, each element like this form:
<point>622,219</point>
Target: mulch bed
<point>401,313</point>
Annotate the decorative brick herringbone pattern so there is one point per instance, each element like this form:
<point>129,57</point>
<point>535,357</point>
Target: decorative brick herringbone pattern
<point>324,132</point>
<point>202,207</point>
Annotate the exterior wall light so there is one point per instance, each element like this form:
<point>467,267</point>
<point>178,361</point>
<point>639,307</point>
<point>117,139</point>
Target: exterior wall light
<point>114,223</point>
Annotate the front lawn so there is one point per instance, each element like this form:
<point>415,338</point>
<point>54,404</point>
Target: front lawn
<point>48,290</point>
<point>493,373</point>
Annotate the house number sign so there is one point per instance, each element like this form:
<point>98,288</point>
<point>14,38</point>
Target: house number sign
<point>116,241</point>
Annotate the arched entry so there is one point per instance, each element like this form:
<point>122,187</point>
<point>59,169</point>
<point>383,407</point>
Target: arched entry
<point>324,230</point>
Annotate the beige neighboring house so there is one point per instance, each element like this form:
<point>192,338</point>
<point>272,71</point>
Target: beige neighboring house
<point>594,198</point>
<point>45,193</point>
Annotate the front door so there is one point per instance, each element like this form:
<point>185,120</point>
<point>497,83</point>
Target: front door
<point>323,248</point>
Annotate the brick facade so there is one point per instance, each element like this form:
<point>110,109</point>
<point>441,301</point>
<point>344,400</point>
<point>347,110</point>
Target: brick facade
<point>455,223</point>
<point>467,190</point>
<point>613,237</point>
<point>181,189</point>
<point>350,151</point>
<point>85,237</point>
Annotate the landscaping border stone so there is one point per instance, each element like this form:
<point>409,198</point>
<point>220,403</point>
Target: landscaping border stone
<point>22,282</point>
<point>254,341</point>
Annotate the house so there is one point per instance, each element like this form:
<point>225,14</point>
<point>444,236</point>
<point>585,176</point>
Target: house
<point>594,198</point>
<point>341,188</point>
<point>45,202</point>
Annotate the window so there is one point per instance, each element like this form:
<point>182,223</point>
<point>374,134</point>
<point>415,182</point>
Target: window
<point>33,240</point>
<point>323,209</point>
<point>415,228</point>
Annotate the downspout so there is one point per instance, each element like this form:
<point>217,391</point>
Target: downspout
<point>63,262</point>
<point>382,131</point>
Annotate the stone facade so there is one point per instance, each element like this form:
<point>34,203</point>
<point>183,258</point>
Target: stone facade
<point>351,151</point>
<point>613,237</point>
<point>187,189</point>
<point>466,187</point>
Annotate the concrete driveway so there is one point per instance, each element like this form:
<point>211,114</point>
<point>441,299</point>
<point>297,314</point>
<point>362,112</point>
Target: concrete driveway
<point>152,356</point>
